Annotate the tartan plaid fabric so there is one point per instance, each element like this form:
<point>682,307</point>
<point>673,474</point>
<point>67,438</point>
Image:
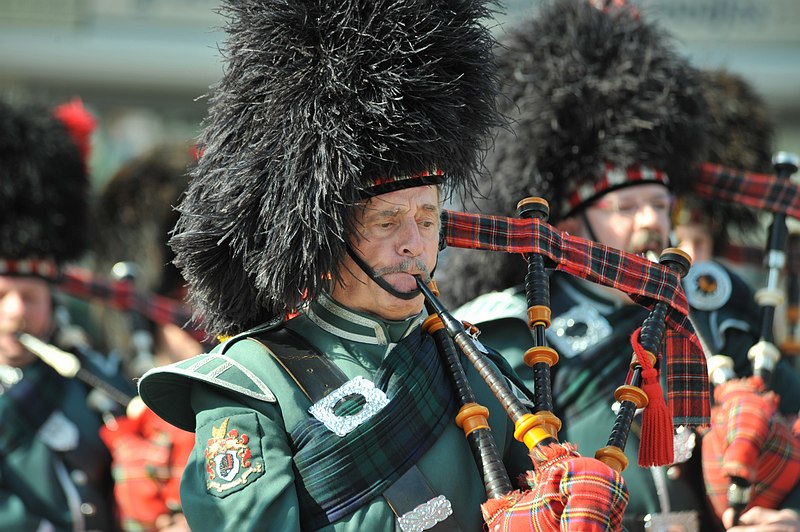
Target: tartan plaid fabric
<point>148,457</point>
<point>420,407</point>
<point>743,254</point>
<point>750,440</point>
<point>122,295</point>
<point>645,282</point>
<point>759,191</point>
<point>568,492</point>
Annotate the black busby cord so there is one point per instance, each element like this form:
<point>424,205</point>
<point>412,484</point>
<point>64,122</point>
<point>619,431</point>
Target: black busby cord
<point>380,281</point>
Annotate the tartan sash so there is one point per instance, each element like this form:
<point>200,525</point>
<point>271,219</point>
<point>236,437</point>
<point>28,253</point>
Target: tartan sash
<point>759,191</point>
<point>378,452</point>
<point>26,405</point>
<point>645,282</point>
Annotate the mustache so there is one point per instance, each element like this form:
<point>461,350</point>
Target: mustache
<point>645,239</point>
<point>413,266</point>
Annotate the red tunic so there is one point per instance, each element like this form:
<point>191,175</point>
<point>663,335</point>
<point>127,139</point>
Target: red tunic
<point>148,458</point>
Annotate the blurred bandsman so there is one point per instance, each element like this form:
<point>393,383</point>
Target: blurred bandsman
<point>740,135</point>
<point>54,468</point>
<point>609,125</point>
<point>134,215</point>
<point>724,310</point>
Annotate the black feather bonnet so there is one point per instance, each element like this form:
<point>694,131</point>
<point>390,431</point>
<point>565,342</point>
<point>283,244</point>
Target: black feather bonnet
<point>44,187</point>
<point>321,100</point>
<point>588,88</point>
<point>135,212</point>
<point>740,135</point>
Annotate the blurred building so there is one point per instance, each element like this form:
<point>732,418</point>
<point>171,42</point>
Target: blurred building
<point>144,65</point>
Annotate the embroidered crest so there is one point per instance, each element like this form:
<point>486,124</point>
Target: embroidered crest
<point>708,286</point>
<point>228,459</point>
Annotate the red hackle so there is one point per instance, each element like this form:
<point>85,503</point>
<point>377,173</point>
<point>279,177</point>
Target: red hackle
<point>80,124</point>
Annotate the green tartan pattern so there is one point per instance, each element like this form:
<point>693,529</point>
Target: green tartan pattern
<point>374,455</point>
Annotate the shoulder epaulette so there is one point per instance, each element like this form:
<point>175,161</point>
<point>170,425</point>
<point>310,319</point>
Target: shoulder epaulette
<point>494,306</point>
<point>166,389</point>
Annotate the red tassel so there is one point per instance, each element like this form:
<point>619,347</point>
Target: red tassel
<point>656,444</point>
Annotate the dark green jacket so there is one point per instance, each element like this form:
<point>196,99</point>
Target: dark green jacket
<point>54,472</point>
<point>263,401</point>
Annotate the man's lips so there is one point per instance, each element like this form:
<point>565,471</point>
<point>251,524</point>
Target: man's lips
<point>403,281</point>
<point>11,333</point>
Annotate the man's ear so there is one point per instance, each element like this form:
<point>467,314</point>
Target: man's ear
<point>442,238</point>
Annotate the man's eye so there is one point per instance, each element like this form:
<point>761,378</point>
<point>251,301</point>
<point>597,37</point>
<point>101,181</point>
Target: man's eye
<point>627,210</point>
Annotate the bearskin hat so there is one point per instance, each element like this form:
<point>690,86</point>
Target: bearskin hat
<point>135,213</point>
<point>586,90</point>
<point>322,100</point>
<point>740,135</point>
<point>44,187</point>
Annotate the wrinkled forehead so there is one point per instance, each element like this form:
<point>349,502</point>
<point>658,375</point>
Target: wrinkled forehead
<point>426,197</point>
<point>23,283</point>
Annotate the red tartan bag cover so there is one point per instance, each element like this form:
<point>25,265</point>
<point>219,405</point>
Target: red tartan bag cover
<point>750,439</point>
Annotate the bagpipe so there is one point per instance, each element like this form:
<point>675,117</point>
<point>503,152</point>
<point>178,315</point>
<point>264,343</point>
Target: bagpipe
<point>564,488</point>
<point>70,366</point>
<point>791,344</point>
<point>751,454</point>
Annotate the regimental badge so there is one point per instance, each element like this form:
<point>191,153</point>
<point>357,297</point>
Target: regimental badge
<point>683,442</point>
<point>59,432</point>
<point>229,461</point>
<point>708,286</point>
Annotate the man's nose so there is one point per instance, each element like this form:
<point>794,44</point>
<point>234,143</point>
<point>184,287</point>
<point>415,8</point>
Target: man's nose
<point>411,243</point>
<point>647,215</point>
<point>12,307</point>
<point>690,247</point>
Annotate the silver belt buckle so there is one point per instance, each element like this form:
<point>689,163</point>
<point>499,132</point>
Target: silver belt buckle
<point>323,409</point>
<point>687,521</point>
<point>426,515</point>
